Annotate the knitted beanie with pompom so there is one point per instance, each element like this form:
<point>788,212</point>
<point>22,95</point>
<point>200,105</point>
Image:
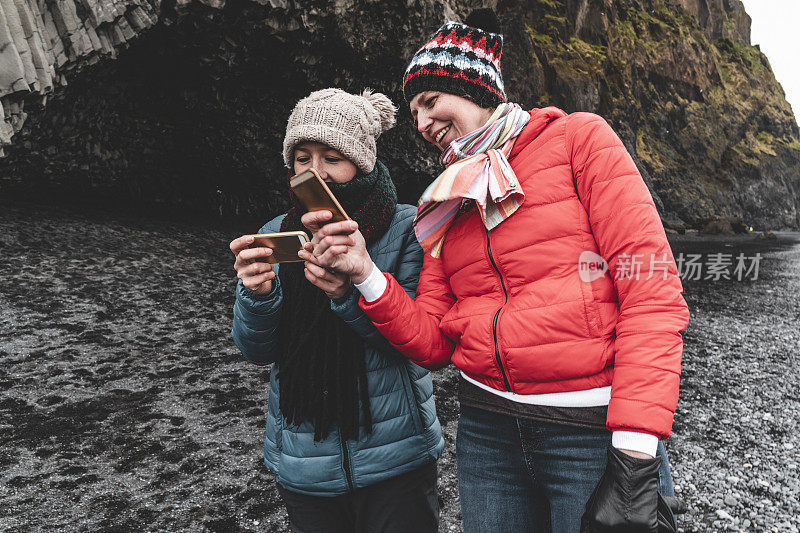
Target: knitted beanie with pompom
<point>348,123</point>
<point>461,59</point>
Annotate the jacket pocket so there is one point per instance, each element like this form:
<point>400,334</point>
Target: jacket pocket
<point>275,422</point>
<point>591,310</point>
<point>411,399</point>
<point>279,433</point>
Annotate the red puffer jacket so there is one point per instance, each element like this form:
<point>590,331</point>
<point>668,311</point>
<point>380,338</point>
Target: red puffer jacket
<point>508,306</point>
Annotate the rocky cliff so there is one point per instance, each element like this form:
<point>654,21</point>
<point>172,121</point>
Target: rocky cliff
<point>40,42</point>
<point>190,110</point>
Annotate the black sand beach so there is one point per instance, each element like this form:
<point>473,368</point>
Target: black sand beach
<point>125,406</point>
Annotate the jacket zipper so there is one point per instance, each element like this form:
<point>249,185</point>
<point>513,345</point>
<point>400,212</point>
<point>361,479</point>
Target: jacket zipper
<point>497,314</point>
<point>346,463</point>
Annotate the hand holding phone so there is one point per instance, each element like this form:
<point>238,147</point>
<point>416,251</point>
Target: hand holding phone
<point>314,194</point>
<point>339,246</point>
<point>250,265</point>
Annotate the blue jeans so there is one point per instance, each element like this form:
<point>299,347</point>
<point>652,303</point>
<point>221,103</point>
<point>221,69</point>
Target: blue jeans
<point>518,475</point>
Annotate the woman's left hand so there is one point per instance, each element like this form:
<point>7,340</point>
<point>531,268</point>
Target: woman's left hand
<point>626,498</point>
<point>335,285</point>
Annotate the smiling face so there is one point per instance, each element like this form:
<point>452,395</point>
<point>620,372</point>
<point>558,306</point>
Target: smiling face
<point>331,165</point>
<point>442,117</point>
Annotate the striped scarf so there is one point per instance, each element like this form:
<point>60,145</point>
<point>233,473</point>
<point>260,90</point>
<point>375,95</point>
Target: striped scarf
<point>477,169</point>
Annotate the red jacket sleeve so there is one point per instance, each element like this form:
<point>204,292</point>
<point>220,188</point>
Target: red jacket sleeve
<point>653,313</point>
<point>412,326</point>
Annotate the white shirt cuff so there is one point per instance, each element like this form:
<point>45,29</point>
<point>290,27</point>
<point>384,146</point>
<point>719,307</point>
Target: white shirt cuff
<point>634,441</point>
<point>374,286</point>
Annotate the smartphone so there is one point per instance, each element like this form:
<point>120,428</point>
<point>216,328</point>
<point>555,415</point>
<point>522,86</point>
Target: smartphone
<point>284,245</point>
<point>315,195</point>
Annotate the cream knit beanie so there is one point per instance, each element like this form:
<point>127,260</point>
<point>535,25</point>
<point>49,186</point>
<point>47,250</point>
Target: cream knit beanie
<point>348,123</point>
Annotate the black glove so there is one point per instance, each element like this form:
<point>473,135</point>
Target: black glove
<point>666,514</point>
<point>626,499</point>
<point>676,506</point>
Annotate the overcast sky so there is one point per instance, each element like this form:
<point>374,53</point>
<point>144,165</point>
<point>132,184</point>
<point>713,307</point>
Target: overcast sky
<point>775,29</point>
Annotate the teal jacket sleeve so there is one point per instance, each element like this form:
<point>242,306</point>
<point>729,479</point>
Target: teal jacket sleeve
<point>405,268</point>
<point>256,317</point>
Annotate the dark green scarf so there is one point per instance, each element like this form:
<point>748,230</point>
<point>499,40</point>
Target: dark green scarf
<point>322,372</point>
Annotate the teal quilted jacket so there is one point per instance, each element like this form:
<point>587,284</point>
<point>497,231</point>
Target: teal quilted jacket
<point>406,432</point>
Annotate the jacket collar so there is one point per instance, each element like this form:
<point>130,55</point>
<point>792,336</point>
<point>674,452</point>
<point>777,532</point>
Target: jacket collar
<point>540,119</point>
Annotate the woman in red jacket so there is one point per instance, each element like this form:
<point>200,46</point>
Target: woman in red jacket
<point>549,282</point>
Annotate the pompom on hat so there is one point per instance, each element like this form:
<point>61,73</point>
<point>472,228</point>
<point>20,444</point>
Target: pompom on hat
<point>461,59</point>
<point>348,123</point>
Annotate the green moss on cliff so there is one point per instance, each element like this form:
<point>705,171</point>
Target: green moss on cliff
<point>662,23</point>
<point>739,60</point>
<point>577,58</point>
<point>625,33</point>
<point>707,116</point>
<point>646,149</point>
<point>750,90</point>
<point>570,59</point>
<point>541,40</point>
<point>764,143</point>
<point>553,20</point>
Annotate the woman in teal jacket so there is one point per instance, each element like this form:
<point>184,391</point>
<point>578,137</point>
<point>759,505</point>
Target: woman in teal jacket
<point>352,434</point>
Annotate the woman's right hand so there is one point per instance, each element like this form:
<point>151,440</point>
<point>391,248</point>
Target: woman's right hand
<point>338,246</point>
<point>256,275</point>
